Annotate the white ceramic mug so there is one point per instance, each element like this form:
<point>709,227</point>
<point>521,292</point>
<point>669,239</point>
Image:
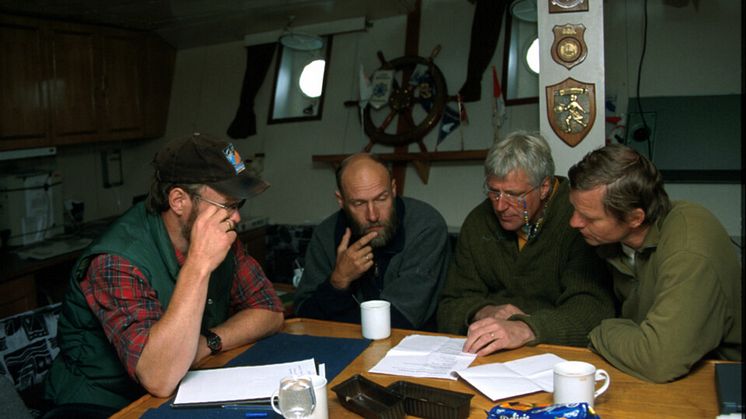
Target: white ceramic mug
<point>575,382</point>
<point>375,317</point>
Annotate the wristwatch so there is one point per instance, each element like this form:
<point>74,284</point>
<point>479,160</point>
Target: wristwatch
<point>213,341</point>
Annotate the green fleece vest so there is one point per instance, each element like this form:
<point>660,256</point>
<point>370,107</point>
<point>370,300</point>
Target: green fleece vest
<point>88,369</point>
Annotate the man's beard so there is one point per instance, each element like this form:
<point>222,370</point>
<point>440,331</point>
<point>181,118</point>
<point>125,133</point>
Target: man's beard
<point>186,229</point>
<point>384,235</point>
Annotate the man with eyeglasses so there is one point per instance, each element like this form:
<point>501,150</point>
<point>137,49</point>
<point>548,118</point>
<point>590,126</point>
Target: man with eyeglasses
<point>377,246</point>
<point>165,286</point>
<point>673,264</point>
<point>521,275</point>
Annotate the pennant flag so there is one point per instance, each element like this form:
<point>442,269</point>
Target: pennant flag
<point>382,80</point>
<point>499,105</point>
<point>463,117</point>
<point>425,90</point>
<point>448,123</point>
<point>420,71</point>
<point>365,88</point>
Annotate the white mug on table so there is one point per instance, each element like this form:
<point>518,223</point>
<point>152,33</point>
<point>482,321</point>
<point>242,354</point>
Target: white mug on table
<point>575,382</point>
<point>375,317</point>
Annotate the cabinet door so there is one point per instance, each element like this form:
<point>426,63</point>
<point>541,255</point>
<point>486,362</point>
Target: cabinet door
<point>121,84</point>
<point>24,119</point>
<point>158,72</point>
<point>73,85</point>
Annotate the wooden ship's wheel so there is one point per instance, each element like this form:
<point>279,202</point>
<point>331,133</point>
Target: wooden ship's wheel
<point>415,104</point>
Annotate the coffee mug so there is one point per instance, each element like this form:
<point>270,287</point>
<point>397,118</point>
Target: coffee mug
<point>375,316</point>
<point>575,382</point>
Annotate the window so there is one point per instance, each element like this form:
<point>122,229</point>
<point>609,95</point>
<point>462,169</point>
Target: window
<point>298,90</point>
<point>520,79</point>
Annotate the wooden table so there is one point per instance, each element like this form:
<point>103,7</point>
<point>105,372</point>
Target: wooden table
<point>627,397</point>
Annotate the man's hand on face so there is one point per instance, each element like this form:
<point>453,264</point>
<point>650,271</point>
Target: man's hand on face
<point>352,259</point>
<point>212,235</point>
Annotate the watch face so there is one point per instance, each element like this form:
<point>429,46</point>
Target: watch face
<point>214,342</point>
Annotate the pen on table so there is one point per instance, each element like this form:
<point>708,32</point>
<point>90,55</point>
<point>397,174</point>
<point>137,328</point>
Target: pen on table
<point>256,414</point>
<point>254,407</point>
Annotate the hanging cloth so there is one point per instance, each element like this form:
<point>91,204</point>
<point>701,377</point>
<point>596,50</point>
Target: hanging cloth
<point>258,58</point>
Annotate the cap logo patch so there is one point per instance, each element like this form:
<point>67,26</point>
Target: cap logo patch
<point>234,158</point>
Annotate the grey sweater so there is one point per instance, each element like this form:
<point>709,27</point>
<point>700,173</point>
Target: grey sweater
<point>412,269</point>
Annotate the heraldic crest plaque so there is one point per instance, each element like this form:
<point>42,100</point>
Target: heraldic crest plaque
<point>569,48</point>
<point>571,109</point>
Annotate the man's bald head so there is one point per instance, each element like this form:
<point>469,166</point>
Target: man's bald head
<point>361,165</point>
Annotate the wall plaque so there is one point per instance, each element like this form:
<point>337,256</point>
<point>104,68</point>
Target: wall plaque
<point>569,48</point>
<point>571,109</point>
<point>562,6</point>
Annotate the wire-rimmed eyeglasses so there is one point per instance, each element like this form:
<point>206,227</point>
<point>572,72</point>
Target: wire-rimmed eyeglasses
<point>509,198</point>
<point>231,207</point>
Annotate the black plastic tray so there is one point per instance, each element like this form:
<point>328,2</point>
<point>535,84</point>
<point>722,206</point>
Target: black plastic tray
<point>368,399</point>
<point>432,403</point>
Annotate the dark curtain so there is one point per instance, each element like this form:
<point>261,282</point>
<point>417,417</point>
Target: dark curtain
<point>485,29</point>
<point>258,58</point>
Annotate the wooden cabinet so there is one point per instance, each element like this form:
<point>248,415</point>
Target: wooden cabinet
<point>159,68</point>
<point>73,83</point>
<point>24,116</point>
<point>96,86</point>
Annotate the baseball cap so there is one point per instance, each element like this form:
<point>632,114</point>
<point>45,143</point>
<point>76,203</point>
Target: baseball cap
<point>202,159</point>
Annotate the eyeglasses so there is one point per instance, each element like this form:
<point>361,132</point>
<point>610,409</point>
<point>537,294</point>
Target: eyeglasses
<point>231,207</point>
<point>509,198</point>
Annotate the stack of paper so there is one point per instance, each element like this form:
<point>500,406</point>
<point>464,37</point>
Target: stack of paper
<point>425,356</point>
<point>237,384</point>
<point>508,379</point>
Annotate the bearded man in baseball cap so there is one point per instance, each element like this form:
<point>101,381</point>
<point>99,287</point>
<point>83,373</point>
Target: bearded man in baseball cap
<point>167,285</point>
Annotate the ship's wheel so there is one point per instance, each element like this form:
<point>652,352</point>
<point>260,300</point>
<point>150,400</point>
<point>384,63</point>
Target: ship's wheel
<point>415,104</point>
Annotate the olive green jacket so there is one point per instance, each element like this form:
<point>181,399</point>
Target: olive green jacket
<point>557,279</point>
<point>680,302</point>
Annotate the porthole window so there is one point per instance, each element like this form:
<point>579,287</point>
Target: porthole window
<point>311,79</point>
<point>531,56</point>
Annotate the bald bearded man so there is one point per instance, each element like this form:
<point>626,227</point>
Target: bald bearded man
<point>377,246</point>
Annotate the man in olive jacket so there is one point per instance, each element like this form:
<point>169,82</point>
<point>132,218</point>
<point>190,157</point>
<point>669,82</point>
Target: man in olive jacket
<point>520,274</point>
<point>674,268</point>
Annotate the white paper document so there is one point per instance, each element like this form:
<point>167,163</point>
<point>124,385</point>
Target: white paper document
<point>425,356</point>
<point>522,376</point>
<point>236,384</point>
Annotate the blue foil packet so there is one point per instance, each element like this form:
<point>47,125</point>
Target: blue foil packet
<point>517,410</point>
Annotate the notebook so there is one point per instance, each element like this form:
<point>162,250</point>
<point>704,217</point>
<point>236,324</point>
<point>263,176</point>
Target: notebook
<point>728,386</point>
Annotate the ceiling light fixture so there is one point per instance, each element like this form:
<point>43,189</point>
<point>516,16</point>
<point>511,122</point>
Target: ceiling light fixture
<point>298,40</point>
<point>524,10</point>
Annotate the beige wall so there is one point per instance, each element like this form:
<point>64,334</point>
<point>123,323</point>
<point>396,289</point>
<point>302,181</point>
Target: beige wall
<point>208,80</point>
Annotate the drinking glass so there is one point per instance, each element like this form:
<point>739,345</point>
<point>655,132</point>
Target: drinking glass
<point>296,397</point>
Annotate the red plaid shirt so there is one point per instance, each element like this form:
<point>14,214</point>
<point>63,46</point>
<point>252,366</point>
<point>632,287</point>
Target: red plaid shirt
<point>127,306</point>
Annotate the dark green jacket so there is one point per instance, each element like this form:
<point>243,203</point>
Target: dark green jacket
<point>556,279</point>
<point>88,369</point>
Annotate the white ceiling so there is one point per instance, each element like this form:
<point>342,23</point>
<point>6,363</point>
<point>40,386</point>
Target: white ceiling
<point>191,23</point>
